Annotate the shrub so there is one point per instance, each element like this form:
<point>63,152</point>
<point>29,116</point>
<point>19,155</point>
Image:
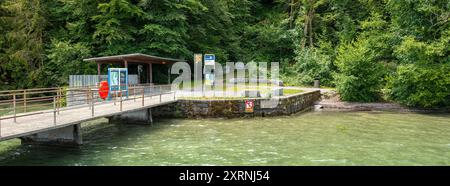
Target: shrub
<point>312,64</point>
<point>420,85</point>
<point>360,77</point>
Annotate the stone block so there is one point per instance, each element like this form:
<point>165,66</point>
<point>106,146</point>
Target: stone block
<point>251,93</point>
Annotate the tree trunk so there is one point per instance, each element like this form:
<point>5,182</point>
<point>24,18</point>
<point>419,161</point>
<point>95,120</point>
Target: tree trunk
<point>291,14</point>
<point>307,26</point>
<point>305,31</point>
<point>311,17</point>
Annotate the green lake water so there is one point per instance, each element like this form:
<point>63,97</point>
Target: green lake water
<point>312,138</point>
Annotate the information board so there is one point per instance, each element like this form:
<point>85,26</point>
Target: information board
<point>118,81</point>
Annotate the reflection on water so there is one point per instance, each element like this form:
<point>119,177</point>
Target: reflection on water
<point>313,138</point>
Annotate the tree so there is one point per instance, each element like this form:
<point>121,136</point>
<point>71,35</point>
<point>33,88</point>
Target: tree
<point>64,59</point>
<point>421,78</point>
<point>359,76</point>
<point>420,85</point>
<point>24,43</point>
<point>312,64</point>
<point>116,29</point>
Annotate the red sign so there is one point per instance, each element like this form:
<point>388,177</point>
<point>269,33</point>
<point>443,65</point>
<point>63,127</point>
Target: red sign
<point>103,90</point>
<point>249,106</point>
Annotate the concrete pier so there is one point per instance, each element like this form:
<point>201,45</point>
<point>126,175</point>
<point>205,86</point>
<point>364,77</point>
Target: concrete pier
<point>66,136</point>
<point>143,116</point>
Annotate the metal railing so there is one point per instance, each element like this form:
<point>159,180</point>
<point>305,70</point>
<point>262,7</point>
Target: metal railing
<point>15,104</point>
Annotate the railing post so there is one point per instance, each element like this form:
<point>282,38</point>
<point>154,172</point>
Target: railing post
<point>92,103</point>
<point>160,93</point>
<point>54,110</point>
<point>134,93</point>
<point>143,95</point>
<point>24,100</point>
<point>121,101</point>
<point>115,96</point>
<point>0,125</point>
<point>88,95</point>
<point>14,106</point>
<point>59,99</point>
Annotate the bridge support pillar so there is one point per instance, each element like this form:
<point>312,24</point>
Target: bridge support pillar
<point>143,116</point>
<point>66,136</point>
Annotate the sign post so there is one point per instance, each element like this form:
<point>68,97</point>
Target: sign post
<point>210,60</point>
<point>198,80</point>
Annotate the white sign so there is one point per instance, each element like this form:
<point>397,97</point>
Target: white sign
<point>114,78</point>
<point>210,59</point>
<point>197,58</point>
<point>249,105</point>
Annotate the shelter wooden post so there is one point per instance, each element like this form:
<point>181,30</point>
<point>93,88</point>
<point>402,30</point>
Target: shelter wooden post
<point>149,73</point>
<point>98,70</point>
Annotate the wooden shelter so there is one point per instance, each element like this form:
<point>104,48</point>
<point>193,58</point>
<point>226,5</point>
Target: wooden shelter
<point>136,58</point>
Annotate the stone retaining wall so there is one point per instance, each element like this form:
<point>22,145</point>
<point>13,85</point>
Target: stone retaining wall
<point>236,108</point>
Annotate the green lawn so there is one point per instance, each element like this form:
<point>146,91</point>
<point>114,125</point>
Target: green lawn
<point>291,91</point>
<point>262,89</point>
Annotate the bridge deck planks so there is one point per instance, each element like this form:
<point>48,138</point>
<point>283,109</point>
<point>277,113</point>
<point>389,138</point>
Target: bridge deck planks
<point>43,122</point>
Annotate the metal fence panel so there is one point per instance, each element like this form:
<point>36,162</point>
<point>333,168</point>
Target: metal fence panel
<point>92,80</point>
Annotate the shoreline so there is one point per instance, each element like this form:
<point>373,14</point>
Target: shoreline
<point>330,101</point>
<point>377,106</point>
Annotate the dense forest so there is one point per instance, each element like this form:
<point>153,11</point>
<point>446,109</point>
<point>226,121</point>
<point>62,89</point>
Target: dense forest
<point>369,50</point>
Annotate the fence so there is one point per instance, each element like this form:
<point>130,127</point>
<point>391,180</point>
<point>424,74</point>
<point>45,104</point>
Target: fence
<point>15,104</point>
<point>80,96</point>
<point>92,80</point>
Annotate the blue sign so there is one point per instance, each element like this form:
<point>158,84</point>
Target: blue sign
<point>210,57</point>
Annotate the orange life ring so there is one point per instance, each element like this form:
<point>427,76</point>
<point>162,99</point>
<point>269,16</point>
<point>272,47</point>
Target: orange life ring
<point>103,90</point>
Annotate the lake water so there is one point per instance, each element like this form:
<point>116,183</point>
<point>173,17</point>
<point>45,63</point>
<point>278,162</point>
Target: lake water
<point>312,138</point>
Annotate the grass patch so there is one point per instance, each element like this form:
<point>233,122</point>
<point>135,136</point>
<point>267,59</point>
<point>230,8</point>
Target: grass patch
<point>291,91</point>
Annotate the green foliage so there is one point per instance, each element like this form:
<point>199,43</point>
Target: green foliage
<point>311,65</point>
<point>421,85</point>
<point>359,77</point>
<point>65,59</point>
<point>352,45</point>
<point>23,43</point>
<point>268,37</point>
<point>423,75</point>
<point>114,28</point>
<point>412,51</point>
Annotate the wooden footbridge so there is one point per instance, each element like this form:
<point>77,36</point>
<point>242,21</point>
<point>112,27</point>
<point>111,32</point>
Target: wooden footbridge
<point>53,115</point>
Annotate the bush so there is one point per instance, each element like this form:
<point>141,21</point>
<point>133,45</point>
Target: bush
<point>420,85</point>
<point>360,77</point>
<point>312,64</point>
<point>64,59</point>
